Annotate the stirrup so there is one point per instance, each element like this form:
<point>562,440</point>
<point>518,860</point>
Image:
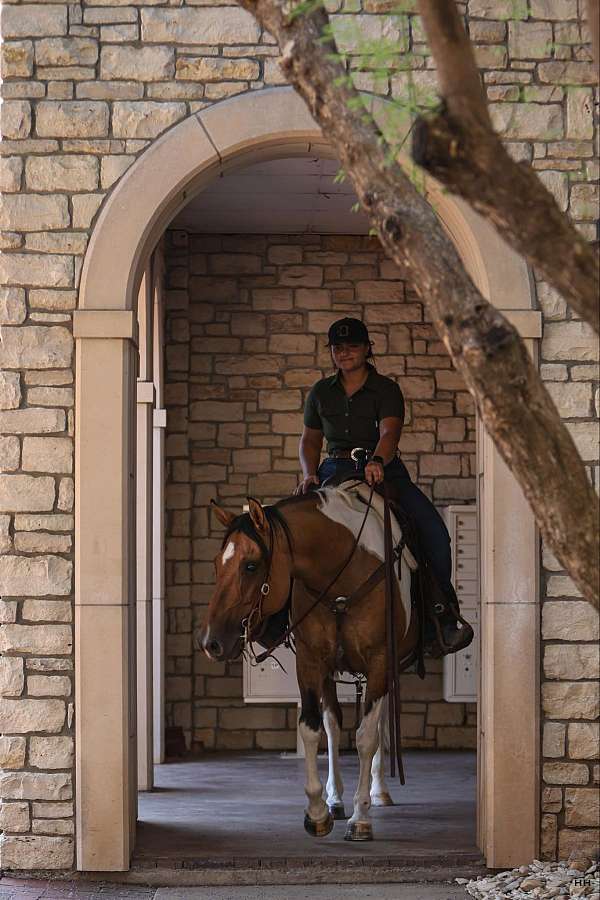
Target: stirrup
<point>438,646</point>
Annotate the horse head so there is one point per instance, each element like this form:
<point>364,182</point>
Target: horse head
<point>252,579</point>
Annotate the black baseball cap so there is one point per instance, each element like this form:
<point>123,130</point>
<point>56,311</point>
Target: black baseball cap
<point>348,331</point>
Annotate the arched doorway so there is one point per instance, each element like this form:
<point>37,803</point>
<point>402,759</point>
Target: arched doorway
<point>252,127</point>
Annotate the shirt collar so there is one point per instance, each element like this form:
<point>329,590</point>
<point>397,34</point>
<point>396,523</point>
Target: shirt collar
<point>369,383</point>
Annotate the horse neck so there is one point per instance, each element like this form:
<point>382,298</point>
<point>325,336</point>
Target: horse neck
<point>319,545</point>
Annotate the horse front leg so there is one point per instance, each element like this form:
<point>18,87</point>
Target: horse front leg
<point>318,821</point>
<point>367,737</point>
<point>332,719</point>
<point>380,796</point>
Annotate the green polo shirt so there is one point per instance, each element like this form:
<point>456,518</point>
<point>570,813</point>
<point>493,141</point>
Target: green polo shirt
<point>349,422</point>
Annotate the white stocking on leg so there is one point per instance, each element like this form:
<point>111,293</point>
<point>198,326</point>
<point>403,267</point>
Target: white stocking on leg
<point>367,737</point>
<point>318,821</point>
<point>335,785</point>
<point>380,796</point>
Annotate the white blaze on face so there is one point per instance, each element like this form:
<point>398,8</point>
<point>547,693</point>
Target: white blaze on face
<point>228,552</point>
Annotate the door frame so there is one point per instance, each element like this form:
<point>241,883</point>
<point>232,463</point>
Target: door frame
<point>252,127</point>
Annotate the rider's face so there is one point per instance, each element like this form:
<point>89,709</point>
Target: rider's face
<point>348,357</point>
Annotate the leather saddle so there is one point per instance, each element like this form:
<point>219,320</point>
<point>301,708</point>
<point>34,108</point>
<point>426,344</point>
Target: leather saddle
<point>427,598</point>
<point>275,625</point>
<point>403,519</point>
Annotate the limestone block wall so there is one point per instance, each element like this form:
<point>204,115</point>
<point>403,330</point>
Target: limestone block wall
<point>247,317</point>
<point>87,88</point>
<point>570,635</point>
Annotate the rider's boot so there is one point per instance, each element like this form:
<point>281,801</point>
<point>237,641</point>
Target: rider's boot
<point>452,631</point>
<point>456,632</point>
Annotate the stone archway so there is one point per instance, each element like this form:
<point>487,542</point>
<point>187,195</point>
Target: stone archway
<point>251,127</point>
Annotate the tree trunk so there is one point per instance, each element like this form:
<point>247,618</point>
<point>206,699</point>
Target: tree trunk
<point>485,348</point>
<point>460,148</point>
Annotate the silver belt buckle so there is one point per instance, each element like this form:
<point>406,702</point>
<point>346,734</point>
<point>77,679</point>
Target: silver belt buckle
<point>354,454</point>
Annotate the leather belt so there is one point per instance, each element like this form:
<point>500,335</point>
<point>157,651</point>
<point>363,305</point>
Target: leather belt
<point>347,454</point>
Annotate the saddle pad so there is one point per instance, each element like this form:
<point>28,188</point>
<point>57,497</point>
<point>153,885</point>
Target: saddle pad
<point>347,505</point>
<point>378,507</point>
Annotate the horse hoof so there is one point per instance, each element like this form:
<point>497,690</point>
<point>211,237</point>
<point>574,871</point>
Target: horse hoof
<point>318,829</point>
<point>337,811</point>
<point>382,799</point>
<point>359,831</point>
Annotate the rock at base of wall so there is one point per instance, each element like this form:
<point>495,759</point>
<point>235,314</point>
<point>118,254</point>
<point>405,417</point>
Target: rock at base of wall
<point>36,852</point>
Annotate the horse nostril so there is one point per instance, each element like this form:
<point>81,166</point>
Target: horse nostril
<point>215,648</point>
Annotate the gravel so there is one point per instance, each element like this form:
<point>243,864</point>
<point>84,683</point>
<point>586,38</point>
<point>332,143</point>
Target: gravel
<point>577,877</point>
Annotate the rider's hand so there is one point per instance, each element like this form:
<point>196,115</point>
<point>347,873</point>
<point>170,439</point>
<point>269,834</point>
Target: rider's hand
<point>305,484</point>
<point>374,473</point>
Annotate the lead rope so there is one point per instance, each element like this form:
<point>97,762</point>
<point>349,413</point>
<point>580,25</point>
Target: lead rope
<point>393,675</point>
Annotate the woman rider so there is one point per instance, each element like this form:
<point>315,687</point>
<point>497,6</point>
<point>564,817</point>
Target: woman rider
<point>359,408</point>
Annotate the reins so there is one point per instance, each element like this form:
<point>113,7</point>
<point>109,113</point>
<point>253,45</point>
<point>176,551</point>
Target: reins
<point>393,670</point>
<point>319,599</point>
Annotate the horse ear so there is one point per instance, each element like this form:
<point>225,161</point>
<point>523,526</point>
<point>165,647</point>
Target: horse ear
<point>224,517</point>
<point>257,514</point>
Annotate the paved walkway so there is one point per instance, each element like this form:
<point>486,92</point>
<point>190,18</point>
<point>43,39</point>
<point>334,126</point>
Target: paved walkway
<point>17,889</point>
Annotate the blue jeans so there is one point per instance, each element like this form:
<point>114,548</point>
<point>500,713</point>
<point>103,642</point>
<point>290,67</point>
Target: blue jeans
<point>435,539</point>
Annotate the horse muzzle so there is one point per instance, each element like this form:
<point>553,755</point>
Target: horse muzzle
<point>214,649</point>
<point>220,647</point>
<point>212,646</point>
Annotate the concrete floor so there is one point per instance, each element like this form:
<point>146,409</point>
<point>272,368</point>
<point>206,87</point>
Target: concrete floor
<point>234,809</point>
<point>30,889</point>
<point>229,827</point>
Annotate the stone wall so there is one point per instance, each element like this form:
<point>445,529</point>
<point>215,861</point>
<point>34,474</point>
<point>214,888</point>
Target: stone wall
<point>570,648</point>
<point>87,88</point>
<point>247,317</point>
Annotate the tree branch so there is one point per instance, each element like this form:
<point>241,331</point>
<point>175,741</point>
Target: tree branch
<point>457,73</point>
<point>485,348</point>
<point>460,148</point>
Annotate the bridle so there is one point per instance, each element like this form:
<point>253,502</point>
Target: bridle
<point>248,624</point>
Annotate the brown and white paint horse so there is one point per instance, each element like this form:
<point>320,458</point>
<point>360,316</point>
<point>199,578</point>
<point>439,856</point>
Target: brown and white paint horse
<point>308,539</point>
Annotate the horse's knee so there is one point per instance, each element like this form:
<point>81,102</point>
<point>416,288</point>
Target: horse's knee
<point>367,736</point>
<point>331,723</point>
<point>310,736</point>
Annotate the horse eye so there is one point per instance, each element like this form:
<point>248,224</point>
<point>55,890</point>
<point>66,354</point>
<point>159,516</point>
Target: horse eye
<point>251,567</point>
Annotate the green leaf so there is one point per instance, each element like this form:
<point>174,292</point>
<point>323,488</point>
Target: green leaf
<point>305,7</point>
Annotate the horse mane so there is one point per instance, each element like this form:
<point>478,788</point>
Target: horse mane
<point>244,524</point>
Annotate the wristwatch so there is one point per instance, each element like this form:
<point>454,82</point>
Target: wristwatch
<point>378,459</point>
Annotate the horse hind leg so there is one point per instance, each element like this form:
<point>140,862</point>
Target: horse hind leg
<point>380,796</point>
<point>359,827</point>
<point>332,720</point>
<point>318,821</point>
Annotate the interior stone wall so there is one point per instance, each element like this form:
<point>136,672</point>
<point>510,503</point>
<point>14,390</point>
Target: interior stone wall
<point>246,326</point>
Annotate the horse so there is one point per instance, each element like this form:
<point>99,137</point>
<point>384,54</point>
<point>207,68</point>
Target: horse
<point>304,542</point>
